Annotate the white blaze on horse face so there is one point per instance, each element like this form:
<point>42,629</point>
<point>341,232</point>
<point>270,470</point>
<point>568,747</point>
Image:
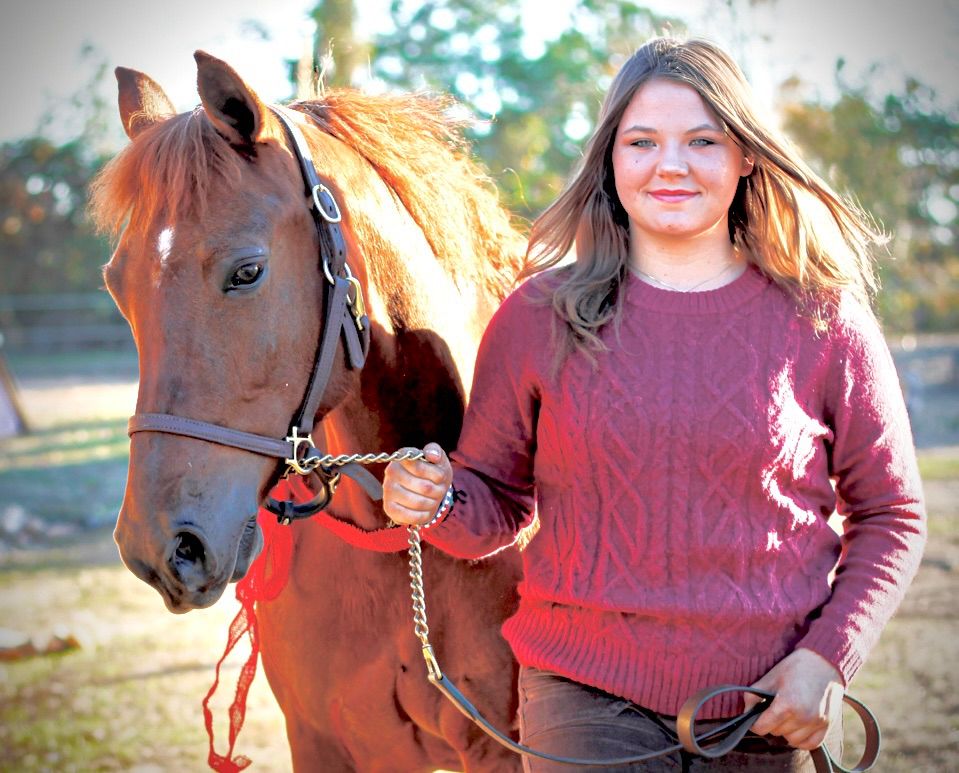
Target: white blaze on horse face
<point>164,246</point>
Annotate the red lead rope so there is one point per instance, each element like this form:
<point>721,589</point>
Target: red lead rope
<point>259,584</point>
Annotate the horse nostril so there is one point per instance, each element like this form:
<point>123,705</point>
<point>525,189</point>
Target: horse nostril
<point>189,549</point>
<point>190,562</point>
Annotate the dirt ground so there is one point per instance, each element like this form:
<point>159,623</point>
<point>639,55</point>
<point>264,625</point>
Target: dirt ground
<point>127,697</point>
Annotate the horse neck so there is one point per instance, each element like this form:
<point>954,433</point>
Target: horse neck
<point>425,330</point>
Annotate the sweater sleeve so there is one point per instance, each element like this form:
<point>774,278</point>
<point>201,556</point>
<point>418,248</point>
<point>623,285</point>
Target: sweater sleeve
<point>493,461</point>
<point>873,464</point>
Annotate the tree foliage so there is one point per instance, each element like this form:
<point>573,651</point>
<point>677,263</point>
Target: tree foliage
<point>899,155</point>
<point>46,240</point>
<point>538,98</point>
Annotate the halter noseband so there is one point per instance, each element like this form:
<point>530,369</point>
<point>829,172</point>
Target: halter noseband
<point>344,314</point>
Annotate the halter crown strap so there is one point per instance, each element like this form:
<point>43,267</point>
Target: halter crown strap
<point>327,217</point>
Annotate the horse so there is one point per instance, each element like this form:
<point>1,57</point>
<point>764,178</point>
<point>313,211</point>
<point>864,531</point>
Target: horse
<point>216,271</point>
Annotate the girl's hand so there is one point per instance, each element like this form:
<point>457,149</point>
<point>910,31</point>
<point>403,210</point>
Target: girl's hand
<point>413,490</point>
<point>809,694</point>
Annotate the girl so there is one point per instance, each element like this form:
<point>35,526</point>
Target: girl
<point>683,407</point>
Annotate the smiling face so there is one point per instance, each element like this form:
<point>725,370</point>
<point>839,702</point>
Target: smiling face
<point>676,170</point>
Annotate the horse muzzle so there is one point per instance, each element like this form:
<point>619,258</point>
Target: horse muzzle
<point>190,573</point>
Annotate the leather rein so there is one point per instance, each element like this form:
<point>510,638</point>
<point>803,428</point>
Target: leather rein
<point>344,317</point>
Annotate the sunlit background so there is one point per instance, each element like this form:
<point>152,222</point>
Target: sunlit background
<point>868,89</point>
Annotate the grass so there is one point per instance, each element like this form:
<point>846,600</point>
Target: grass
<point>130,696</point>
<point>72,473</point>
<point>939,466</point>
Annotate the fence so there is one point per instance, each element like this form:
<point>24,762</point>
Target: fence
<point>63,322</point>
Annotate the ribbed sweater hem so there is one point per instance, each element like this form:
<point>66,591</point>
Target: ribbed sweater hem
<point>654,678</point>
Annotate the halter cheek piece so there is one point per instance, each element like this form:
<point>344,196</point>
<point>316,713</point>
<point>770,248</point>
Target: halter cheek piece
<point>344,315</point>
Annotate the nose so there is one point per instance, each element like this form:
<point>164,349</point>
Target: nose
<point>671,162</point>
<point>190,560</point>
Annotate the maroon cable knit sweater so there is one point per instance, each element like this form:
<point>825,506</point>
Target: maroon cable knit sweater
<point>684,485</point>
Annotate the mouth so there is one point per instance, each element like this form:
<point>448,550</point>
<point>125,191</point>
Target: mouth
<point>251,543</point>
<point>180,600</point>
<point>672,197</point>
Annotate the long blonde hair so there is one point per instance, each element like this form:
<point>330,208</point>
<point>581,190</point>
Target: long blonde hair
<point>798,231</point>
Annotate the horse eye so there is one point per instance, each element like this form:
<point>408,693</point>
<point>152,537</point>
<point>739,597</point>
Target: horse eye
<point>246,275</point>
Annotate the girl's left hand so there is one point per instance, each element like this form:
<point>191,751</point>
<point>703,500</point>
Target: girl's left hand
<point>809,694</point>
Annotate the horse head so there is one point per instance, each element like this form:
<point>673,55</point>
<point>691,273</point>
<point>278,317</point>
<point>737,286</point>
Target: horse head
<point>217,272</point>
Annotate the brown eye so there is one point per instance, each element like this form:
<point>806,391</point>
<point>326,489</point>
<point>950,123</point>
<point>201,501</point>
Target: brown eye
<point>246,275</point>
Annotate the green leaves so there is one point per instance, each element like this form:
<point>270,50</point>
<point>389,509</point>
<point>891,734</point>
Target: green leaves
<point>536,96</point>
<point>898,156</point>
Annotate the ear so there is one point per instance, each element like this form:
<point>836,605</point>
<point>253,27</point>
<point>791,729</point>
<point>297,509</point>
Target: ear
<point>143,102</point>
<point>748,165</point>
<point>232,106</point>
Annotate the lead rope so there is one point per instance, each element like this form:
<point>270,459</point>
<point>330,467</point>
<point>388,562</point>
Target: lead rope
<point>721,739</point>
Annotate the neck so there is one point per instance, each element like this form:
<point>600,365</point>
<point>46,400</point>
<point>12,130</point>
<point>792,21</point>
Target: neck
<point>704,262</point>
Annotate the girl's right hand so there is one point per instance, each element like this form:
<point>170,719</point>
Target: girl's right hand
<point>413,490</point>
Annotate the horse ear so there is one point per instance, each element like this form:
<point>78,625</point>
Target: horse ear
<point>142,101</point>
<point>232,106</point>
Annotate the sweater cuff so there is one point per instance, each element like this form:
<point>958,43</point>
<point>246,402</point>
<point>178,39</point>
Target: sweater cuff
<point>836,648</point>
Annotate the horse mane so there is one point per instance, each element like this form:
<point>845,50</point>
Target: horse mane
<point>411,140</point>
<point>417,148</point>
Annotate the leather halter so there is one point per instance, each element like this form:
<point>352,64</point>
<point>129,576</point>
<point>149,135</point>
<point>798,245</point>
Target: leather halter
<point>344,316</point>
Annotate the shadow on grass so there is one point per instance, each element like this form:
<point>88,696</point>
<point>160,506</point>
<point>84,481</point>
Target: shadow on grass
<point>84,493</point>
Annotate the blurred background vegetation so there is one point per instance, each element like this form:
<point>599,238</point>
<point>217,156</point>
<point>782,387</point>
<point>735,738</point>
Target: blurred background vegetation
<point>531,108</point>
<point>529,105</point>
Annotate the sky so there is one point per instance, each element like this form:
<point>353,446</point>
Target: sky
<point>41,41</point>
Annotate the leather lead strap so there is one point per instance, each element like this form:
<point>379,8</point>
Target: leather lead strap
<point>711,744</point>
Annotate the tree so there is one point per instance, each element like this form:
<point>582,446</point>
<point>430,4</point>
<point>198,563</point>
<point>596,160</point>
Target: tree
<point>898,155</point>
<point>46,240</point>
<point>337,53</point>
<point>539,100</point>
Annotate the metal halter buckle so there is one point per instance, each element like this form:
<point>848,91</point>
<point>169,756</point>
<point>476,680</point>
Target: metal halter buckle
<point>319,189</point>
<point>294,463</point>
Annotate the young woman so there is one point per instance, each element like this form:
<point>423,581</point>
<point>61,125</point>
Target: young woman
<point>683,407</point>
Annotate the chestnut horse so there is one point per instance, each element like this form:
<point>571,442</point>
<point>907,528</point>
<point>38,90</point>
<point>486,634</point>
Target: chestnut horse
<point>216,272</point>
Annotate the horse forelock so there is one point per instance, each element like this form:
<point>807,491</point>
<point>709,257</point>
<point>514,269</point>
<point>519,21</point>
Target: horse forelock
<point>170,168</point>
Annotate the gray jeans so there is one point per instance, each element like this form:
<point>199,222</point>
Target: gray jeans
<point>565,718</point>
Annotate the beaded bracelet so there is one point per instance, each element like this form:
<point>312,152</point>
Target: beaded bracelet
<point>445,506</point>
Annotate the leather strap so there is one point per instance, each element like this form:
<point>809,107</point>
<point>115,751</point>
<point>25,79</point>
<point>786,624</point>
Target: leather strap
<point>714,743</point>
<point>326,217</point>
<point>213,433</point>
<point>686,720</point>
<point>336,308</point>
<point>686,725</point>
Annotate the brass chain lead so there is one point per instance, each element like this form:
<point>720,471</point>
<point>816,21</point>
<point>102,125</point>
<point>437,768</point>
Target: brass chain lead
<point>420,626</point>
<point>328,461</point>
